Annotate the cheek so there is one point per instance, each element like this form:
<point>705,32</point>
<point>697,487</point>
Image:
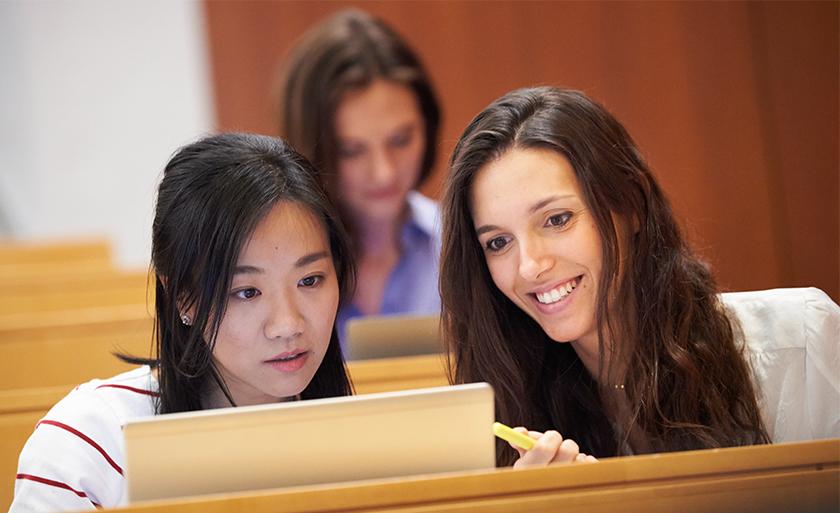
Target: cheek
<point>349,177</point>
<point>323,308</point>
<point>503,273</point>
<point>411,159</point>
<point>239,325</point>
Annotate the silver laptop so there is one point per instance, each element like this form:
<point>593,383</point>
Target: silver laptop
<point>388,336</point>
<point>389,434</point>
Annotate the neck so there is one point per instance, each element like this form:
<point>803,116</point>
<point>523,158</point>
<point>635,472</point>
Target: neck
<point>378,236</point>
<point>589,354</point>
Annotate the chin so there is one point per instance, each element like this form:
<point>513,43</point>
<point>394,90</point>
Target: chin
<point>561,335</point>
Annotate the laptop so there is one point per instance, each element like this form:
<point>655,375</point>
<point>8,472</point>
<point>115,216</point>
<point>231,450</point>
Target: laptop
<point>389,434</point>
<point>389,336</point>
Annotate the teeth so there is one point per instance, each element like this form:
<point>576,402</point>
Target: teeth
<point>556,294</point>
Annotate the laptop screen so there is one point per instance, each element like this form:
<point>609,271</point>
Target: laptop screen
<point>308,442</point>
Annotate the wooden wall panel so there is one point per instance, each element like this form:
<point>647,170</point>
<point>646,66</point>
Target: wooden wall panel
<point>734,104</point>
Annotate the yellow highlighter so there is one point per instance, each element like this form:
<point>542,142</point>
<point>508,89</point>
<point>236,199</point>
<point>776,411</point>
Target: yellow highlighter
<point>509,435</point>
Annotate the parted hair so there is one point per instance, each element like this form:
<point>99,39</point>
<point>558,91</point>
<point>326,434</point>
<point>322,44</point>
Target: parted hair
<point>687,381</point>
<point>344,53</point>
<point>212,195</point>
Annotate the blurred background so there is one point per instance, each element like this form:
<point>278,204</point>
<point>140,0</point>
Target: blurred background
<point>734,104</point>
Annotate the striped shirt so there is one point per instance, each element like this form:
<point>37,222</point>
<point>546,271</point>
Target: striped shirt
<point>75,458</point>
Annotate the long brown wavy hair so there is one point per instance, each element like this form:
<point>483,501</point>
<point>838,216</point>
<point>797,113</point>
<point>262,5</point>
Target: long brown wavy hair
<point>347,52</point>
<point>687,382</point>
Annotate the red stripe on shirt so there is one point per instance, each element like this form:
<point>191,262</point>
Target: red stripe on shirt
<point>85,438</point>
<point>133,389</point>
<point>57,484</point>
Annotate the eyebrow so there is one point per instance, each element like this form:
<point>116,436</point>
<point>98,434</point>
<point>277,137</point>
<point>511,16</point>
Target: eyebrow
<point>310,258</point>
<point>301,262</point>
<point>405,128</point>
<point>551,199</point>
<point>534,208</point>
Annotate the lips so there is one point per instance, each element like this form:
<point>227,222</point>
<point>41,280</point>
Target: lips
<point>383,193</point>
<point>557,292</point>
<point>553,297</point>
<point>289,361</point>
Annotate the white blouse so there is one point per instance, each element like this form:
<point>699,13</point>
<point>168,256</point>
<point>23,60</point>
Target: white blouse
<point>792,340</point>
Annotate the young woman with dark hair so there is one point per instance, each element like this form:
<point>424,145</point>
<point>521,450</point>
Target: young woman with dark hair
<point>567,285</point>
<point>251,263</point>
<point>357,102</point>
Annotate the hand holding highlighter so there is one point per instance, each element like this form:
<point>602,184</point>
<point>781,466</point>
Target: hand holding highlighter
<point>508,434</point>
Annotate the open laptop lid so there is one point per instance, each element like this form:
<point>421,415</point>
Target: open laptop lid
<point>389,336</point>
<point>318,441</point>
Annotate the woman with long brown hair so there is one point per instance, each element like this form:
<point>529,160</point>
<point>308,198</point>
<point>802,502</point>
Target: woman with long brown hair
<point>358,103</point>
<point>567,285</point>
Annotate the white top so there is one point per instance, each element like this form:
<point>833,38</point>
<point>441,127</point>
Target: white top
<point>793,345</point>
<point>75,458</point>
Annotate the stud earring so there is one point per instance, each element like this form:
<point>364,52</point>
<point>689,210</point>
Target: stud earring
<point>185,320</point>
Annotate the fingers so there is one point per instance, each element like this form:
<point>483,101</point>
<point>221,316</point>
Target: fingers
<point>550,447</point>
<point>566,452</point>
<point>544,451</point>
<point>533,434</point>
<point>585,458</point>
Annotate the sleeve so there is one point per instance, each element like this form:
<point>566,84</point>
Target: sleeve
<point>822,364</point>
<point>72,461</point>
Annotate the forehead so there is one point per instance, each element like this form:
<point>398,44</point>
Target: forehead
<point>378,108</point>
<point>517,180</point>
<point>289,229</point>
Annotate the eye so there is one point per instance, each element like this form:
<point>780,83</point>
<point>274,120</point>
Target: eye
<point>350,152</point>
<point>401,140</point>
<point>310,281</point>
<point>249,293</point>
<point>559,220</point>
<point>496,244</point>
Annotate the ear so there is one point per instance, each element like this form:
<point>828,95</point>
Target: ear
<point>185,313</point>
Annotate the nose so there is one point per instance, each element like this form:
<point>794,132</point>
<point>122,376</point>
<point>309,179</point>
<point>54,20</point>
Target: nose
<point>284,320</point>
<point>534,259</point>
<point>383,168</point>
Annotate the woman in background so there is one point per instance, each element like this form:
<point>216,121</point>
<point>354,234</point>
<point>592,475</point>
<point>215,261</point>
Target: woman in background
<point>250,264</point>
<point>567,285</point>
<point>357,102</point>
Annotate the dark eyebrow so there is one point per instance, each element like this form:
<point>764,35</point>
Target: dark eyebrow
<point>301,262</point>
<point>310,258</point>
<point>538,205</point>
<point>248,269</point>
<point>486,228</point>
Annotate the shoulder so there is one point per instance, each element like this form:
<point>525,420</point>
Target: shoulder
<point>783,318</point>
<point>74,459</point>
<point>425,213</point>
<point>791,339</point>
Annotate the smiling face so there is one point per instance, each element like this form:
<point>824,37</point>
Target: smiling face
<point>381,143</point>
<point>540,242</point>
<point>281,308</point>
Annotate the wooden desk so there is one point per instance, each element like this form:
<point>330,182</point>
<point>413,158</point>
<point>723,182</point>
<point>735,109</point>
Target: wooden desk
<point>58,258</point>
<point>14,252</point>
<point>85,322</point>
<point>801,478</point>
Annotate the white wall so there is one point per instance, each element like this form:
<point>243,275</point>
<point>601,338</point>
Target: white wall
<point>95,95</point>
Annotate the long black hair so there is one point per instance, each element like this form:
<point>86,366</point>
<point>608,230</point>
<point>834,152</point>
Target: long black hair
<point>213,194</point>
